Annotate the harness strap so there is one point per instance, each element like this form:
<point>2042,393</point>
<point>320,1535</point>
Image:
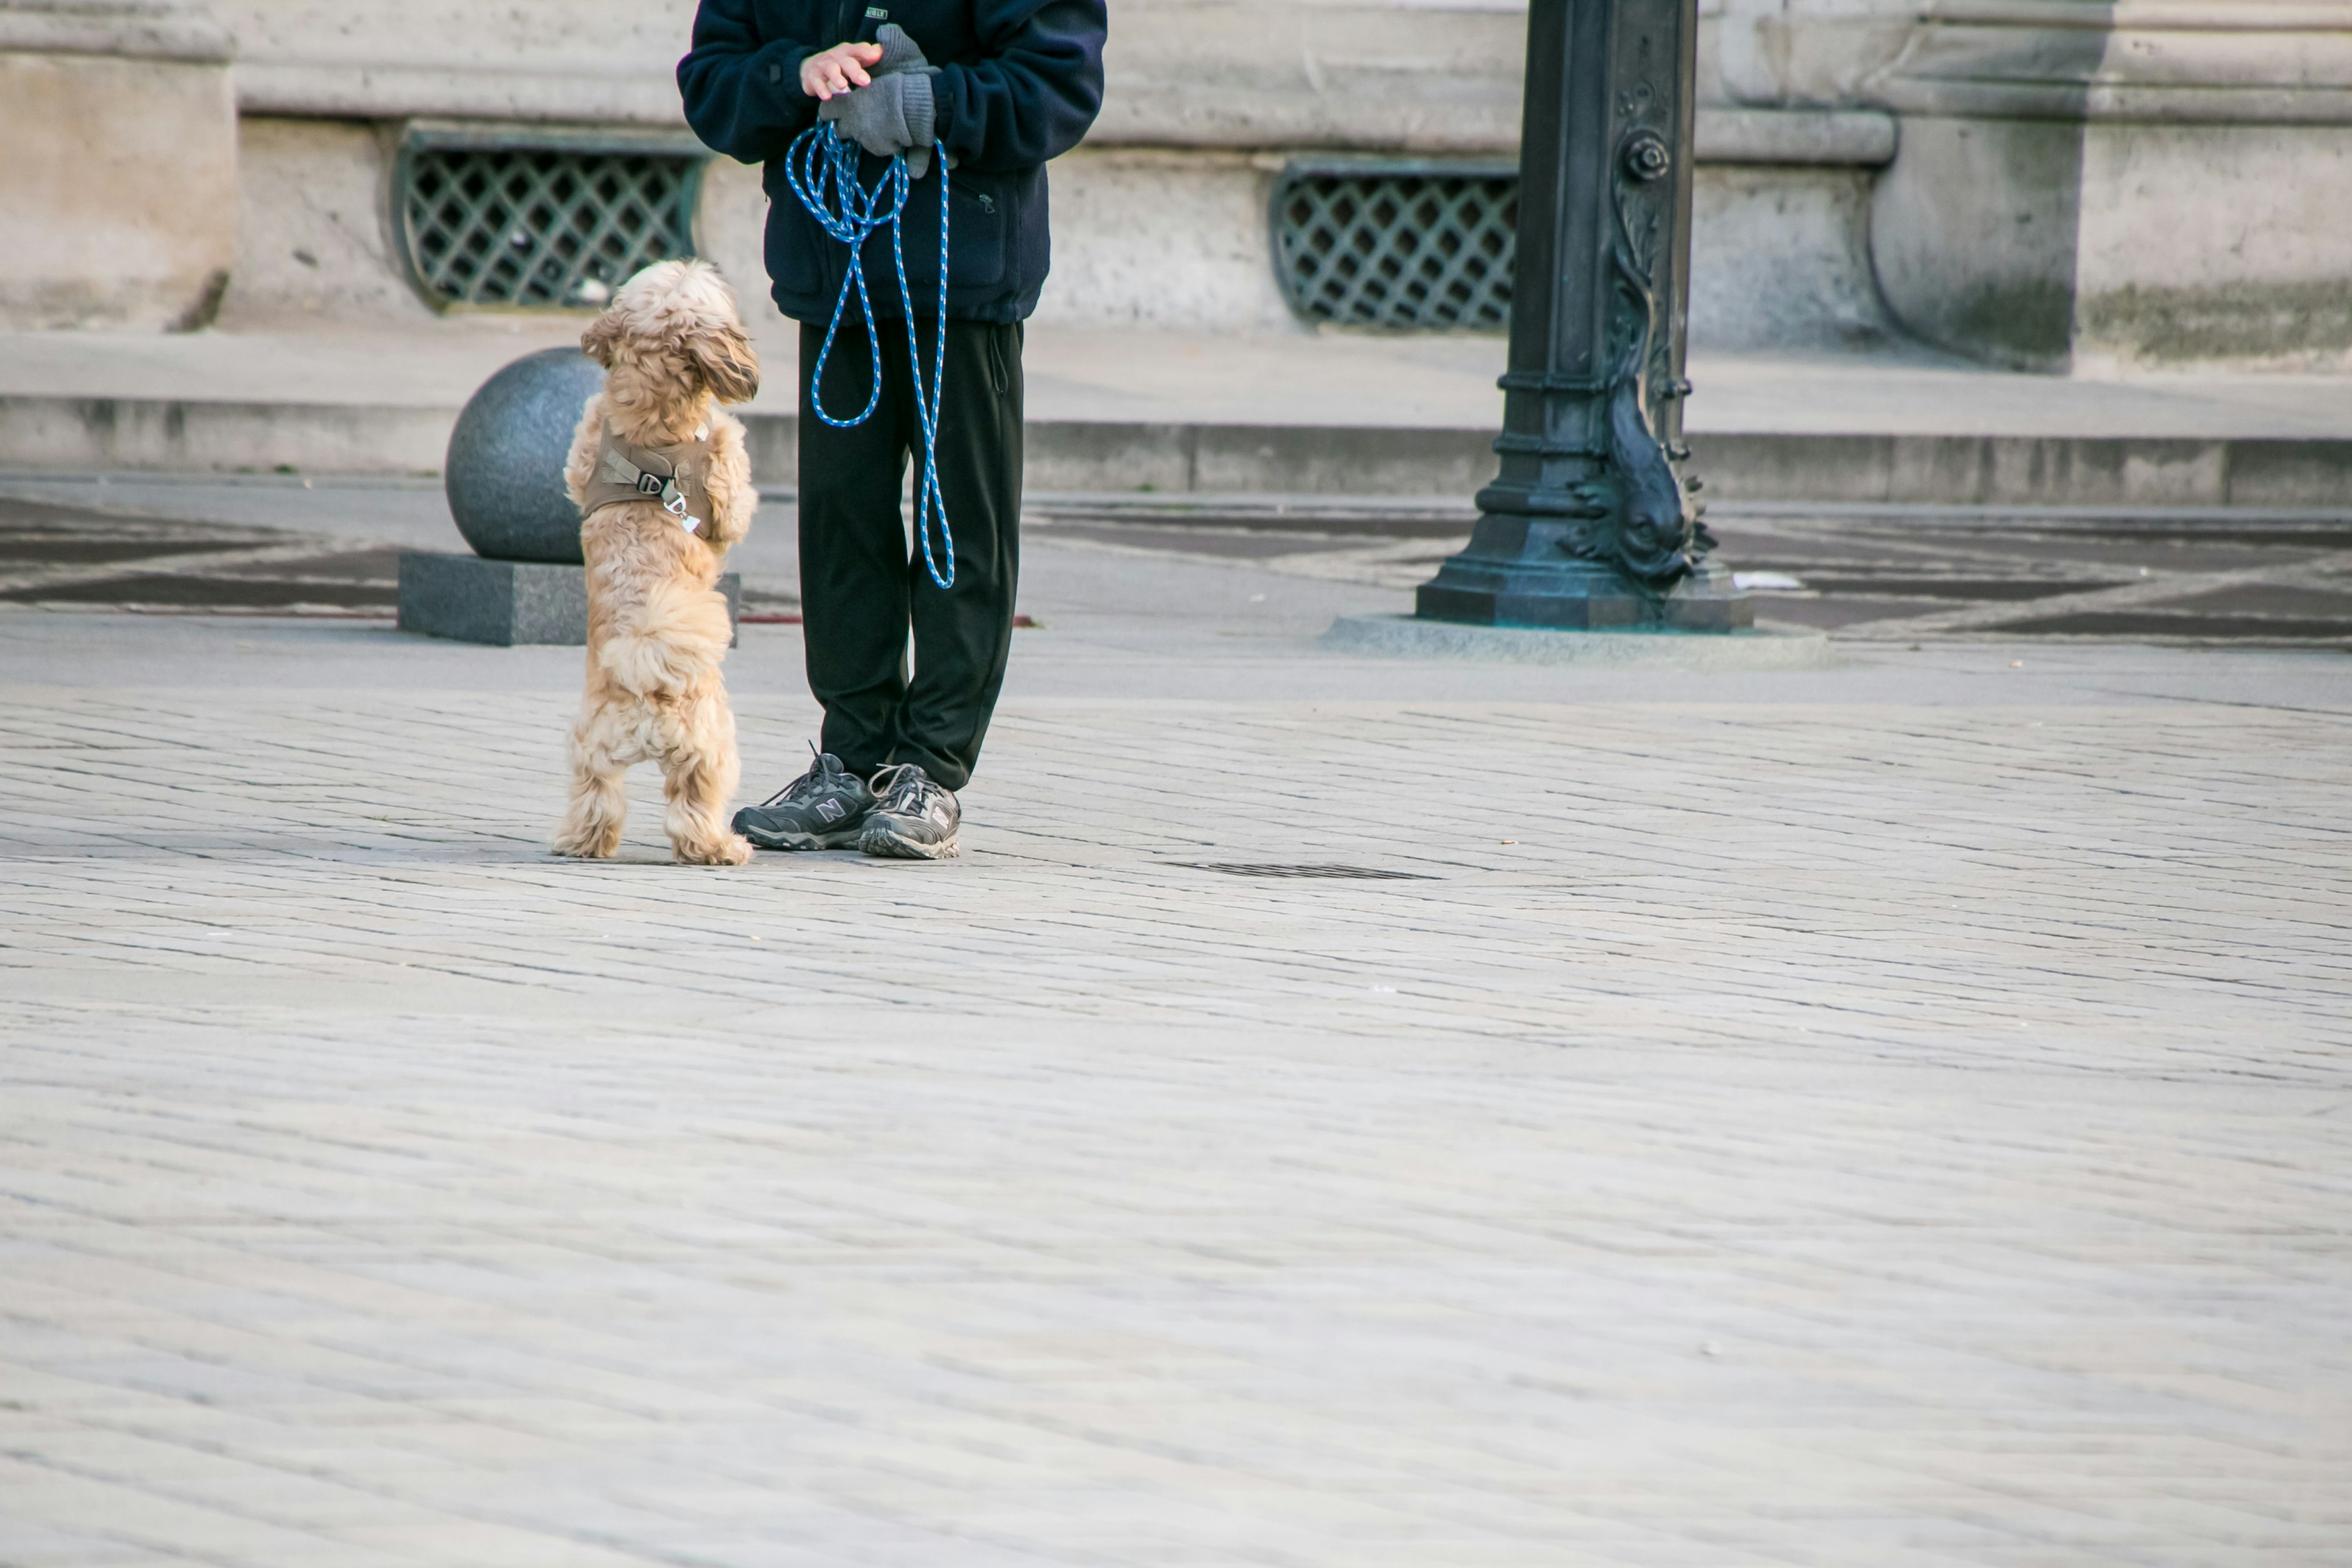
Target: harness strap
<point>675,476</point>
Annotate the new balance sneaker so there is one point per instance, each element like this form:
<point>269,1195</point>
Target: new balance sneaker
<point>915,819</point>
<point>825,808</point>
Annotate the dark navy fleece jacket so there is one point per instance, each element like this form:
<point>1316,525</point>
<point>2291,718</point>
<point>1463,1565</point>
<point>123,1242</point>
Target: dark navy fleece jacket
<point>1020,81</point>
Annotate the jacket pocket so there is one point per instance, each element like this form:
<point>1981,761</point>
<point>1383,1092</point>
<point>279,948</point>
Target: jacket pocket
<point>976,229</point>
<point>794,248</point>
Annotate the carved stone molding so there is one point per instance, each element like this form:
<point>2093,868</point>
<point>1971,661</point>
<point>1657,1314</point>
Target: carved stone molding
<point>2096,187</point>
<point>2159,61</point>
<point>119,185</point>
<point>126,29</point>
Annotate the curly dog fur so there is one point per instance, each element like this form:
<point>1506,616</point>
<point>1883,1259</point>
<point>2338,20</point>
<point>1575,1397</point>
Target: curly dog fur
<point>673,348</point>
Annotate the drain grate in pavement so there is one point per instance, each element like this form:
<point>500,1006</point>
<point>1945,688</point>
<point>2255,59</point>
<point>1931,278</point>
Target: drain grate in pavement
<point>1353,873</point>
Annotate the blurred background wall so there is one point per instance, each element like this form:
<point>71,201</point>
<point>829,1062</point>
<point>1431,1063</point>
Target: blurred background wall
<point>2058,185</point>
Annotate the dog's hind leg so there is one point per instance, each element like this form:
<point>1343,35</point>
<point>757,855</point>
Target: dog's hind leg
<point>700,772</point>
<point>599,806</point>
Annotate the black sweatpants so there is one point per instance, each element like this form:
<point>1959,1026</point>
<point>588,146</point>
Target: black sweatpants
<point>861,587</point>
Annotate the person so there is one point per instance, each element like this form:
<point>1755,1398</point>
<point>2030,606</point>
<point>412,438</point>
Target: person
<point>998,86</point>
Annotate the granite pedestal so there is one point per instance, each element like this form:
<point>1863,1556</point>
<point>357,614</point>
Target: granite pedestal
<point>506,603</point>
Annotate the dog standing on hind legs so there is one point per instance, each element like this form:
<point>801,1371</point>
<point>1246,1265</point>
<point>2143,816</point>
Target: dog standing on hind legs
<point>664,485</point>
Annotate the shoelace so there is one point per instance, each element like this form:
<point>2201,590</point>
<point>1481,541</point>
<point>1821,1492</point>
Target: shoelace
<point>901,786</point>
<point>805,785</point>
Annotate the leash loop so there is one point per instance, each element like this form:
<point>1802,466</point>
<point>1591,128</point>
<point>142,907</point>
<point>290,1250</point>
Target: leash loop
<point>820,166</point>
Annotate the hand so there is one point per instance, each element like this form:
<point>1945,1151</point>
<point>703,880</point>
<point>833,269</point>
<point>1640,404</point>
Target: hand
<point>893,112</point>
<point>838,69</point>
<point>894,115</point>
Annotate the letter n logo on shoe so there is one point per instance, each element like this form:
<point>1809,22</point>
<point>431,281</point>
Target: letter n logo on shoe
<point>829,809</point>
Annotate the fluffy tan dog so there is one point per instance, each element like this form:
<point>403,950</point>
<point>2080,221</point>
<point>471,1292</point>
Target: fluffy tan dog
<point>664,486</point>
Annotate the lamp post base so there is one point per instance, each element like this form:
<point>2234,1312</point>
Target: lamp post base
<point>1579,595</point>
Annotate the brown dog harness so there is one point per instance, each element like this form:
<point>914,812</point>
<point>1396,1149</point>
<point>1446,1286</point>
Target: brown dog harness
<point>677,477</point>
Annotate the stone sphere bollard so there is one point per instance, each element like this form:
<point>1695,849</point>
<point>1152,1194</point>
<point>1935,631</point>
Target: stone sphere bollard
<point>504,475</point>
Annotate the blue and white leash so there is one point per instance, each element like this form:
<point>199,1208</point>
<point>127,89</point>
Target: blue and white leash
<point>821,168</point>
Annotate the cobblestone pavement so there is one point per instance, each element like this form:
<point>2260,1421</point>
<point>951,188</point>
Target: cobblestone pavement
<point>1896,1116</point>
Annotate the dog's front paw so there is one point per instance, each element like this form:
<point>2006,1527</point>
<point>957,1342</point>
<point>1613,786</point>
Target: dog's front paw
<point>589,843</point>
<point>732,850</point>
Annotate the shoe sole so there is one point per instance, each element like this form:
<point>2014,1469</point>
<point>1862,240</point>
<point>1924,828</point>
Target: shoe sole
<point>792,841</point>
<point>882,843</point>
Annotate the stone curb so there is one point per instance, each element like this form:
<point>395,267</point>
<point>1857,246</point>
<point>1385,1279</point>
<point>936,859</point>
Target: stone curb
<point>1403,637</point>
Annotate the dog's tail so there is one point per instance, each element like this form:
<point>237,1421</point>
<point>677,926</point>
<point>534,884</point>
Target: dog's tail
<point>671,640</point>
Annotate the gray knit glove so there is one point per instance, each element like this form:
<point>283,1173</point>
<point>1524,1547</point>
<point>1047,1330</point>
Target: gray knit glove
<point>893,114</point>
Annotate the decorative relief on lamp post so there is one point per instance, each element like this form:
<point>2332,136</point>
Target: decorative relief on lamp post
<point>1655,536</point>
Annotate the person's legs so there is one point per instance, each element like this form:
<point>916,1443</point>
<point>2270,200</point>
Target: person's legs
<point>853,585</point>
<point>963,635</point>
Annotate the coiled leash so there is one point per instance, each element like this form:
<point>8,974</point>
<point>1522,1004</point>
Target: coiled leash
<point>821,168</point>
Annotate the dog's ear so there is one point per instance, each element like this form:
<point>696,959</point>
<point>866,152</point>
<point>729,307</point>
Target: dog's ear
<point>726,363</point>
<point>603,333</point>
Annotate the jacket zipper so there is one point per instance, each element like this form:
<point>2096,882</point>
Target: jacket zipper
<point>855,21</point>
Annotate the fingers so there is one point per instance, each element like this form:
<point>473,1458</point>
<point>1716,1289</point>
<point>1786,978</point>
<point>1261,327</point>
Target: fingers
<point>840,69</point>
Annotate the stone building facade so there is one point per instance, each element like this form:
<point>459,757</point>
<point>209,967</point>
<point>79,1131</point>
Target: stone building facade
<point>2091,186</point>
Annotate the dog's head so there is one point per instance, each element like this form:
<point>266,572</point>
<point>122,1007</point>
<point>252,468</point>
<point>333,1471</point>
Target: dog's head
<point>673,332</point>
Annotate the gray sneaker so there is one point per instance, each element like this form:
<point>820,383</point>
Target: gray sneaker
<point>915,819</point>
<point>825,808</point>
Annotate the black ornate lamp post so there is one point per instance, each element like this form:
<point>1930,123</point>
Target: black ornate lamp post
<point>1589,525</point>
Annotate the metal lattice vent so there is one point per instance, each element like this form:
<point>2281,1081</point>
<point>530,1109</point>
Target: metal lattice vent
<point>1411,246</point>
<point>541,225</point>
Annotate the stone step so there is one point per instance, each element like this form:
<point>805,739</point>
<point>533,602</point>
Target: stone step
<point>68,435</point>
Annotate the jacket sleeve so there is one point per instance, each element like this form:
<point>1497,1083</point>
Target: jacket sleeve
<point>742,93</point>
<point>1034,93</point>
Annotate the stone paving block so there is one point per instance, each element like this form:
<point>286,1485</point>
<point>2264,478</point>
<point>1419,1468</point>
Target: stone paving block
<point>24,1544</point>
